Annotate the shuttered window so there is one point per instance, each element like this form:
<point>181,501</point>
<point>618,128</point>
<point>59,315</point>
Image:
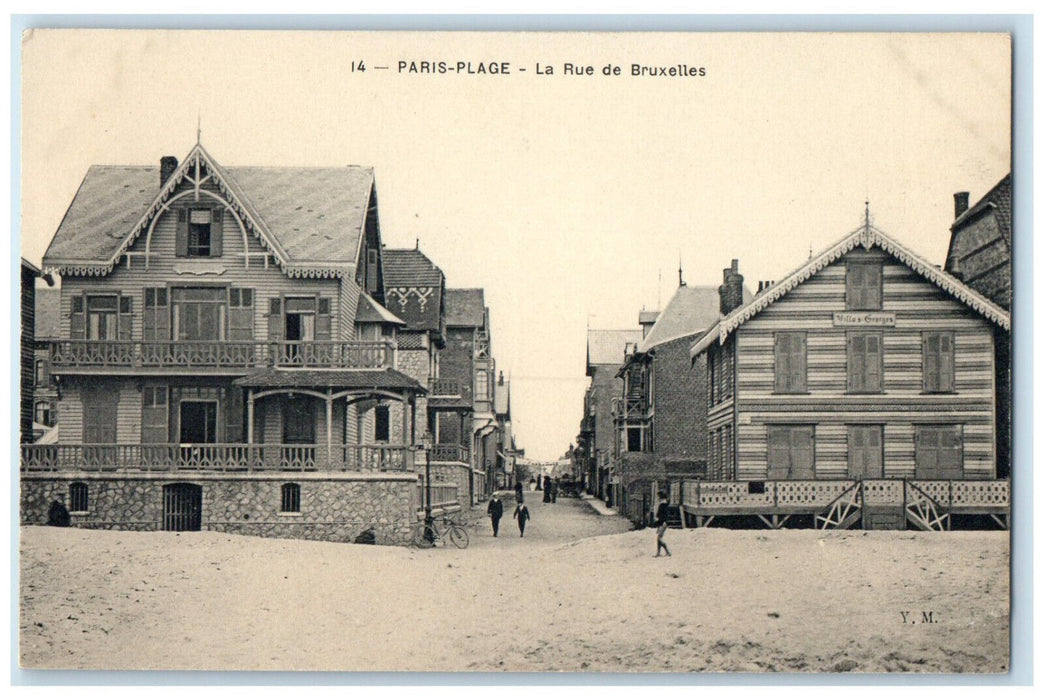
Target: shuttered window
<point>937,357</point>
<point>371,270</point>
<point>156,314</point>
<point>154,414</point>
<point>939,452</point>
<point>240,314</point>
<point>865,452</point>
<point>865,362</point>
<point>77,318</point>
<point>863,285</point>
<point>791,363</point>
<point>323,320</point>
<point>791,452</point>
<point>199,233</point>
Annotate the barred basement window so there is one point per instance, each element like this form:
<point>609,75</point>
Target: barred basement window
<point>291,498</point>
<point>78,497</point>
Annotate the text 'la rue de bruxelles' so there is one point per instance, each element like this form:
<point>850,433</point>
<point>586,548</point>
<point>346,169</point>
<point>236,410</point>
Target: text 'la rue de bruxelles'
<point>680,70</point>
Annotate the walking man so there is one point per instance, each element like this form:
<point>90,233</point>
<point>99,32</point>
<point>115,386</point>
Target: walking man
<point>521,515</point>
<point>661,525</point>
<point>518,491</point>
<point>495,509</point>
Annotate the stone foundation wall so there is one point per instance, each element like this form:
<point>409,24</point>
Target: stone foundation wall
<point>336,508</point>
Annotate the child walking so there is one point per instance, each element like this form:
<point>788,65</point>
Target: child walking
<point>661,525</point>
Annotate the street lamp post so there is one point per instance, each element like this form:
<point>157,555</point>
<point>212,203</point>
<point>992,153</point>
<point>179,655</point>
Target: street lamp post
<point>427,440</point>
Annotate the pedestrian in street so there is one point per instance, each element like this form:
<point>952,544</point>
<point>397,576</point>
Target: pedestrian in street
<point>518,491</point>
<point>661,525</point>
<point>554,491</point>
<point>521,515</point>
<point>547,489</point>
<point>495,509</point>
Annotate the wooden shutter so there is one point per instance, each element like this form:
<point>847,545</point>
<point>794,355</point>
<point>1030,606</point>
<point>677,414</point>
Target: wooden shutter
<point>216,231</point>
<point>77,317</point>
<point>275,319</point>
<point>782,360</point>
<point>234,415</point>
<point>181,237</point>
<point>126,318</point>
<point>241,314</point>
<point>371,270</point>
<point>930,361</point>
<point>950,452</point>
<point>322,320</point>
<point>802,453</point>
<point>854,286</point>
<point>873,362</point>
<point>154,419</point>
<point>778,452</point>
<point>798,363</point>
<point>99,415</point>
<point>946,362</point>
<point>855,352</point>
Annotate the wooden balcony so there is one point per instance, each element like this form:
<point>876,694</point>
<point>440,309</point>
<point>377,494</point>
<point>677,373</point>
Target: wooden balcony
<point>216,457</point>
<point>450,453</point>
<point>448,388</point>
<point>230,356</point>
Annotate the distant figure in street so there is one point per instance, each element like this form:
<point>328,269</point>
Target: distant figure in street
<point>518,491</point>
<point>547,489</point>
<point>495,509</point>
<point>661,525</point>
<point>521,515</point>
<point>534,485</point>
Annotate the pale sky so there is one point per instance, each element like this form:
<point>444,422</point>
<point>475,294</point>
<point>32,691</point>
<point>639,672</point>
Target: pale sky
<point>570,199</point>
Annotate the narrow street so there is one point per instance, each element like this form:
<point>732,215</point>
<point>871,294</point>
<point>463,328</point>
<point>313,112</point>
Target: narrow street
<point>565,520</point>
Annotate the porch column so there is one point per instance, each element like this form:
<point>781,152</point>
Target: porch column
<point>413,419</point>
<point>250,416</point>
<point>329,426</point>
<point>402,413</point>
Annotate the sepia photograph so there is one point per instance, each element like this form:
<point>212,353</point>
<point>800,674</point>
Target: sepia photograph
<point>660,352</point>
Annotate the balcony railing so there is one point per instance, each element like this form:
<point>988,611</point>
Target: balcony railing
<point>449,453</point>
<point>130,354</point>
<point>219,457</point>
<point>448,387</point>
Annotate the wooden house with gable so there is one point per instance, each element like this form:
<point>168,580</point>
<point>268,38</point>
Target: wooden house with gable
<point>226,358</point>
<point>858,389</point>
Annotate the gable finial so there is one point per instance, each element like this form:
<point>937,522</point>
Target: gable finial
<point>199,128</point>
<point>681,281</point>
<point>866,215</point>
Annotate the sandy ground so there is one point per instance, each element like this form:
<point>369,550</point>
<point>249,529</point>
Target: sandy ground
<point>561,599</point>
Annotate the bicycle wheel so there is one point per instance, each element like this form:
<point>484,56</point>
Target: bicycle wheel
<point>458,536</point>
<point>420,539</point>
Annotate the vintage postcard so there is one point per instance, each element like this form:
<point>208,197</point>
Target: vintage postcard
<point>659,352</point>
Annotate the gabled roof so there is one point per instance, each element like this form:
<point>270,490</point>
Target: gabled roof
<point>998,200</point>
<point>310,219</point>
<point>691,310</point>
<point>409,266</point>
<point>868,237</point>
<point>605,347</point>
<point>465,308</point>
<point>502,398</point>
<point>370,311</point>
<point>413,287</point>
<point>48,314</point>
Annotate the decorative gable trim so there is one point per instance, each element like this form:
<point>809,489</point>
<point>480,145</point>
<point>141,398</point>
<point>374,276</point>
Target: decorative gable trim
<point>866,236</point>
<point>233,197</point>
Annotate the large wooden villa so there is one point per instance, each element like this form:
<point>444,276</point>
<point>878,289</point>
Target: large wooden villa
<point>226,360</point>
<point>858,390</point>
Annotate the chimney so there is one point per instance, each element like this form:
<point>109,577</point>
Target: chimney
<point>730,293</point>
<point>501,380</point>
<point>168,164</point>
<point>960,204</point>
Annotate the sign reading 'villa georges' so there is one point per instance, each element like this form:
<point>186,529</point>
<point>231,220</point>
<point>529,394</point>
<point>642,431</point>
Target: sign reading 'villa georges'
<point>864,318</point>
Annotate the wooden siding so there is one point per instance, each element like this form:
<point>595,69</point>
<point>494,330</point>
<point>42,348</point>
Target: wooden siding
<point>918,306</point>
<point>228,270</point>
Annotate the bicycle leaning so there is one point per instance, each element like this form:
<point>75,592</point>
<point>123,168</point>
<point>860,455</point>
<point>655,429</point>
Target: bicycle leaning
<point>426,533</point>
